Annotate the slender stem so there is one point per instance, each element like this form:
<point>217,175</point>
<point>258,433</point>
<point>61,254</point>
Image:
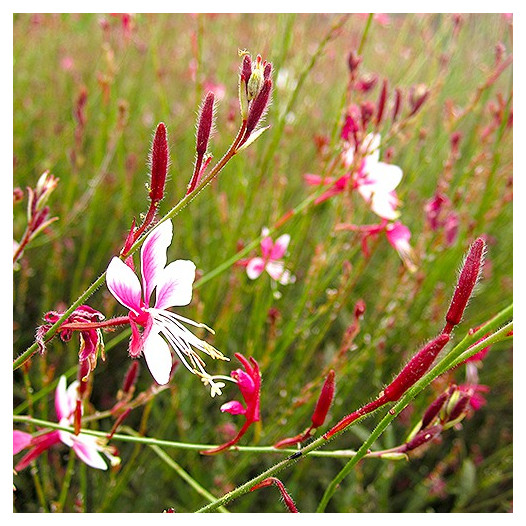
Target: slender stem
<point>186,477</point>
<point>365,33</point>
<point>66,482</point>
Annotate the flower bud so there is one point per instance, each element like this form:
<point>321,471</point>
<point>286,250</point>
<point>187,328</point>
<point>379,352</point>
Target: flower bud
<point>287,499</point>
<point>354,61</point>
<point>255,81</point>
<point>258,106</point>
<point>159,163</point>
<point>324,401</point>
<point>381,103</point>
<point>417,97</point>
<point>435,407</point>
<point>367,108</point>
<point>397,104</point>
<point>204,126</point>
<point>415,368</point>
<point>467,280</point>
<point>423,437</point>
<point>131,377</point>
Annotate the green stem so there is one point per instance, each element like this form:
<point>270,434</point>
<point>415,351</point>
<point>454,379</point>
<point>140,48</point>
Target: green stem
<point>66,482</point>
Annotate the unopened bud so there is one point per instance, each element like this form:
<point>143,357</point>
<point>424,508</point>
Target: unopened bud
<point>423,437</point>
<point>255,81</point>
<point>267,71</point>
<point>367,108</point>
<point>131,377</point>
<point>397,104</point>
<point>467,280</point>
<point>204,126</point>
<point>159,163</point>
<point>287,499</point>
<point>354,61</point>
<point>417,96</point>
<point>258,106</point>
<point>381,103</point>
<point>435,407</point>
<point>324,401</point>
<point>415,368</point>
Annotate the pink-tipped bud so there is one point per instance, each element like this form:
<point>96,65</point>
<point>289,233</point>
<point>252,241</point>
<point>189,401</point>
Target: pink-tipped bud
<point>459,408</point>
<point>258,106</point>
<point>397,104</point>
<point>324,401</point>
<point>422,437</point>
<point>204,126</point>
<point>287,499</point>
<point>159,163</point>
<point>381,103</point>
<point>467,280</point>
<point>415,368</point>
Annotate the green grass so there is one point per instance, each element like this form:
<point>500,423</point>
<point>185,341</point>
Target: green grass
<point>160,74</point>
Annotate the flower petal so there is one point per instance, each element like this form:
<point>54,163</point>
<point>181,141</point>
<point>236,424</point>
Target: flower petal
<point>255,267</point>
<point>153,256</point>
<point>158,357</point>
<point>234,408</point>
<point>371,146</point>
<point>86,449</point>
<point>385,205</point>
<point>124,285</point>
<point>275,269</point>
<point>64,404</point>
<point>266,247</point>
<point>280,247</point>
<point>174,284</point>
<point>383,176</point>
<point>20,441</point>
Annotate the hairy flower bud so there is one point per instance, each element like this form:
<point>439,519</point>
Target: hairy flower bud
<point>324,401</point>
<point>467,280</point>
<point>258,106</point>
<point>422,437</point>
<point>159,159</point>
<point>415,368</point>
<point>204,126</point>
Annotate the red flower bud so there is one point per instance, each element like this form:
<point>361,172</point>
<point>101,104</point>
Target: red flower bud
<point>324,401</point>
<point>435,407</point>
<point>381,103</point>
<point>204,126</point>
<point>422,437</point>
<point>397,104</point>
<point>415,368</point>
<point>159,163</point>
<point>367,108</point>
<point>287,499</point>
<point>131,377</point>
<point>354,61</point>
<point>467,280</point>
<point>258,106</point>
<point>246,67</point>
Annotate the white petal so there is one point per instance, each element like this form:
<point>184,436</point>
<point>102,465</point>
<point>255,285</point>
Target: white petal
<point>124,284</point>
<point>158,357</point>
<point>64,406</point>
<point>255,268</point>
<point>385,177</point>
<point>174,284</point>
<point>86,448</point>
<point>275,269</point>
<point>371,146</point>
<point>384,205</point>
<point>153,256</point>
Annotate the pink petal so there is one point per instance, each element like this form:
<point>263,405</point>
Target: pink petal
<point>158,357</point>
<point>398,234</point>
<point>124,285</point>
<point>153,256</point>
<point>280,247</point>
<point>87,450</point>
<point>234,408</point>
<point>64,404</point>
<point>266,247</point>
<point>174,284</point>
<point>20,441</point>
<point>255,268</point>
<point>315,180</point>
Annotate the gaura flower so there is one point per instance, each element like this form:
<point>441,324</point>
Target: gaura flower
<point>374,180</point>
<point>162,329</point>
<point>396,233</point>
<point>88,448</point>
<point>249,384</point>
<point>271,260</point>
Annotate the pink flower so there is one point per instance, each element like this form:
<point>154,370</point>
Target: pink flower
<point>249,384</point>
<point>88,448</point>
<point>271,260</point>
<point>396,233</point>
<point>375,180</point>
<point>163,329</point>
<point>441,216</point>
<point>476,399</point>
